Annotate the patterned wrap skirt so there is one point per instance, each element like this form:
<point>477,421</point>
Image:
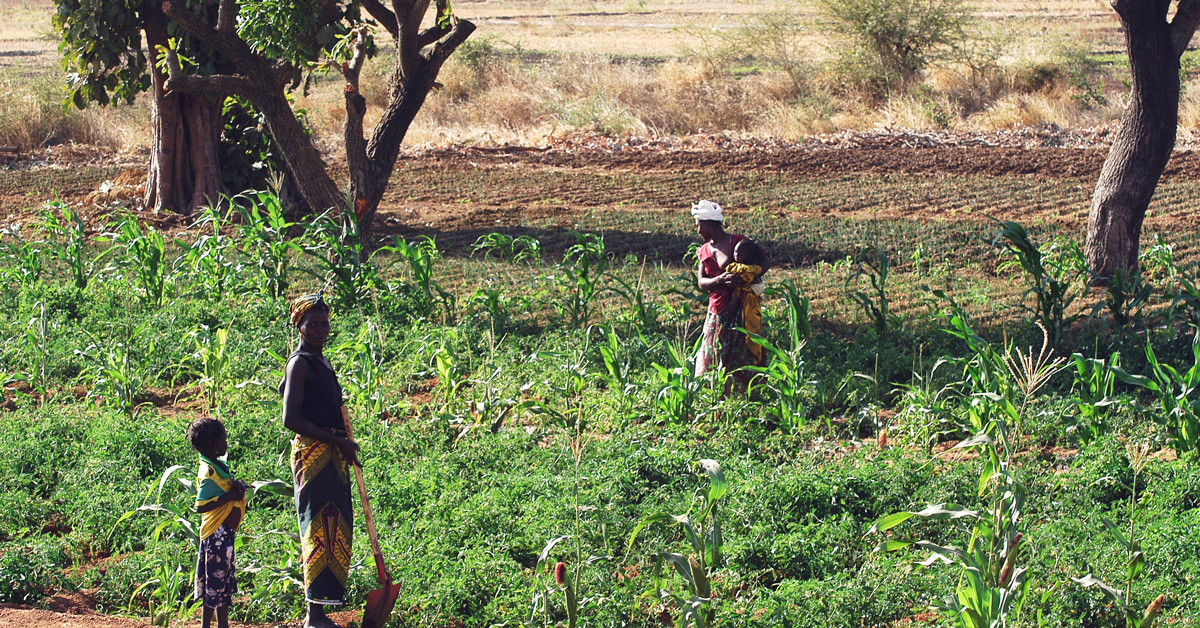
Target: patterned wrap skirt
<point>322,480</point>
<point>216,582</point>
<point>723,346</point>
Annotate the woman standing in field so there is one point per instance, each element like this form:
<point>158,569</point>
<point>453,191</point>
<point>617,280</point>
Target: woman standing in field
<point>730,270</point>
<point>321,455</point>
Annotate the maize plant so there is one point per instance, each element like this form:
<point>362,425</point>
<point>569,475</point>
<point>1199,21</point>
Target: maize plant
<point>694,601</point>
<point>1178,395</point>
<point>264,239</point>
<point>146,254</point>
<point>1130,541</point>
<point>993,586</point>
<point>70,243</point>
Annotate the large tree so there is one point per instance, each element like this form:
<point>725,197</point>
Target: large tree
<point>103,55</point>
<point>260,71</point>
<point>1155,41</point>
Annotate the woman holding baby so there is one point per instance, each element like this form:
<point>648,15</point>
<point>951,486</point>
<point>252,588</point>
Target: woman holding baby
<point>731,269</point>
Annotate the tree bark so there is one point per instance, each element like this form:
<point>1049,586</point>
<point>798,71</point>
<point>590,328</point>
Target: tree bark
<point>262,83</point>
<point>1144,142</point>
<point>185,165</point>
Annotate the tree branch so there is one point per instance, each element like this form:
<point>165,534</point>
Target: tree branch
<point>352,70</point>
<point>227,16</point>
<point>356,145</point>
<point>386,18</point>
<point>1184,25</point>
<point>431,35</point>
<point>215,84</point>
<point>407,46</point>
<point>442,51</point>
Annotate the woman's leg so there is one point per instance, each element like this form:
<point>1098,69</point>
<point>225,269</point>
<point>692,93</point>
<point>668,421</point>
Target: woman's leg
<point>317,618</point>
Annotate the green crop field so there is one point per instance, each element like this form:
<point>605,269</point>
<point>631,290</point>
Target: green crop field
<point>524,396</point>
<point>951,427</point>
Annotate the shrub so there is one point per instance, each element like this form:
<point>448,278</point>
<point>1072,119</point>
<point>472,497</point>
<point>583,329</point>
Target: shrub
<point>28,573</point>
<point>898,37</point>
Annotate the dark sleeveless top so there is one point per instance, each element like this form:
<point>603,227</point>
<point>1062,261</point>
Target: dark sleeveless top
<point>322,402</point>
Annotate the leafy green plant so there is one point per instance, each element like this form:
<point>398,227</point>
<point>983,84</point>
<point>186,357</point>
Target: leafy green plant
<point>1126,298</point>
<point>212,352</point>
<point>116,375</point>
<point>639,310</point>
<point>344,261</point>
<point>279,585</point>
<point>451,372</point>
<point>39,333</point>
<point>210,256</point>
<point>69,242</point>
<point>899,37</point>
<point>508,248</point>
<point>362,371</point>
<point>579,274</point>
<point>23,260</point>
<point>1135,559</point>
<point>797,310</point>
<point>420,255</point>
<point>1051,276</point>
<point>146,253</point>
<point>1185,298</point>
<point>677,388</point>
<point>785,376</point>
<point>618,369</point>
<point>495,306</point>
<point>927,406</point>
<point>1178,394</point>
<point>993,587</point>
<point>29,573</point>
<point>1093,393</point>
<point>873,265</point>
<point>264,238</point>
<point>693,600</point>
<point>168,595</point>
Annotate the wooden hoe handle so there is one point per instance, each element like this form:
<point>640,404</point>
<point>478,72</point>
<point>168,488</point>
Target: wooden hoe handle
<point>380,568</point>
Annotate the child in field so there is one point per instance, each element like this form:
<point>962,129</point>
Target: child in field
<point>221,499</point>
<point>749,263</point>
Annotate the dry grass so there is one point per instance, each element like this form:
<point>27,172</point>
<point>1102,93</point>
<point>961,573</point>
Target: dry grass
<point>31,116</point>
<point>538,68</point>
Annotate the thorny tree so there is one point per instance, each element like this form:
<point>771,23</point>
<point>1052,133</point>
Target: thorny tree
<point>1143,144</point>
<point>261,74</point>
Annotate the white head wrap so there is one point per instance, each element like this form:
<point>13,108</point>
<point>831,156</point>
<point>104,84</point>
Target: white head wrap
<point>707,210</point>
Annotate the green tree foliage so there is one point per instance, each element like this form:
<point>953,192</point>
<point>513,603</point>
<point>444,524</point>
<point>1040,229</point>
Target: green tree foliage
<point>102,50</point>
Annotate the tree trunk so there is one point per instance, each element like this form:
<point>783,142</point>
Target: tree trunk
<point>1143,143</point>
<point>371,164</point>
<point>369,181</point>
<point>316,186</point>
<point>185,165</point>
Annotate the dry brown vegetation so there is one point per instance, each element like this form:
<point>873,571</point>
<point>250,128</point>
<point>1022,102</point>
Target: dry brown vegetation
<point>541,68</point>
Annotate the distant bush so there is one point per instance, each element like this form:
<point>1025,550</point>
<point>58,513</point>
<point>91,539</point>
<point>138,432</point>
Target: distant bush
<point>893,40</point>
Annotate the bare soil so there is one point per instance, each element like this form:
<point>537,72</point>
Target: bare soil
<point>77,610</point>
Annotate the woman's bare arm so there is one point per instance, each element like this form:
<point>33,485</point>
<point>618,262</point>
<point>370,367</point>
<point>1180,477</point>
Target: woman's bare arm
<point>708,284</point>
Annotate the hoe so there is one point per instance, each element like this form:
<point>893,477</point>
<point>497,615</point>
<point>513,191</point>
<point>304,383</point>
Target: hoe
<point>380,601</point>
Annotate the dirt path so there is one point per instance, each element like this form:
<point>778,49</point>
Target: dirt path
<point>23,617</point>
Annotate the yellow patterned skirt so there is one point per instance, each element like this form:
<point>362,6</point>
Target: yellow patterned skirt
<point>326,519</point>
